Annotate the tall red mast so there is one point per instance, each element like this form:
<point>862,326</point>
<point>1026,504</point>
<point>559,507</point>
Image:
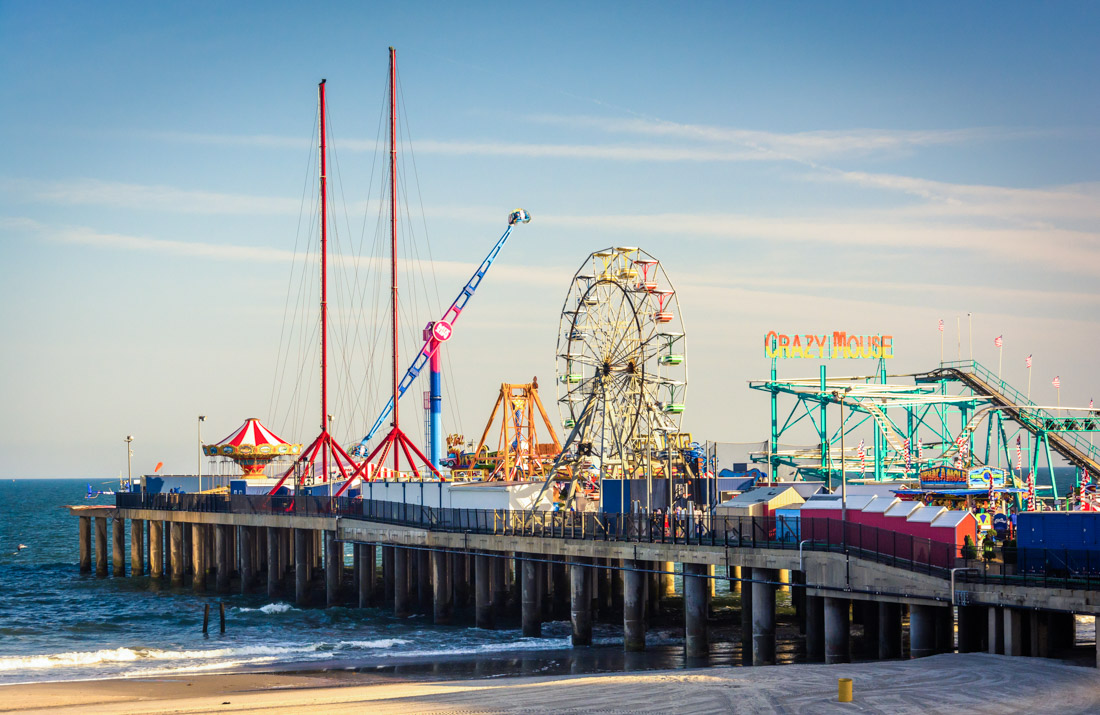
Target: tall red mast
<point>324,443</point>
<point>324,273</point>
<point>393,239</point>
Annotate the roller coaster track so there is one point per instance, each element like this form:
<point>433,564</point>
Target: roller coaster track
<point>1013,404</point>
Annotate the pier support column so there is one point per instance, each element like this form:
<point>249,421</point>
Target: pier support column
<point>424,590</point>
<point>653,588</point>
<point>401,583</point>
<point>945,630</point>
<point>274,563</point>
<point>137,547</point>
<point>156,549</point>
<point>696,644</point>
<point>460,576</point>
<point>889,630</point>
<point>922,631</point>
<point>367,570</point>
<point>247,568</point>
<point>483,592</point>
<point>301,566</point>
<point>580,603</point>
<point>198,575</point>
<point>995,638</point>
<point>734,575</point>
<point>746,615</point>
<point>388,582</point>
<point>763,617</point>
<point>838,638</point>
<point>442,605</point>
<point>529,599</point>
<point>334,567</point>
<point>118,541</point>
<point>815,629</point>
<point>175,530</point>
<point>634,598</point>
<point>1038,635</point>
<point>221,558</point>
<point>972,624</point>
<point>85,544</point>
<point>500,582</point>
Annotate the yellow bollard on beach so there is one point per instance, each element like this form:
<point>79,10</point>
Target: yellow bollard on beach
<point>844,690</point>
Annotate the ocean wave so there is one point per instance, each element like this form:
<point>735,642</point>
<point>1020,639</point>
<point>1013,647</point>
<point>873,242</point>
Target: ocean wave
<point>76,659</point>
<point>269,608</point>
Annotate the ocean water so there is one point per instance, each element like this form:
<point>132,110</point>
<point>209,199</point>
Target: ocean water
<point>59,624</point>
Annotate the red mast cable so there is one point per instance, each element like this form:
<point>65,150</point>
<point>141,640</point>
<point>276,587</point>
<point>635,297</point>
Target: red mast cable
<point>393,238</point>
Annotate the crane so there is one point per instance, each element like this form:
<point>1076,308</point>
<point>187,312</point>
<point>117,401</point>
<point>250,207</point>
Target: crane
<point>435,334</point>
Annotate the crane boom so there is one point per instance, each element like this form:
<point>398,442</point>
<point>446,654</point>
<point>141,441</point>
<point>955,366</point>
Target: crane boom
<point>442,329</point>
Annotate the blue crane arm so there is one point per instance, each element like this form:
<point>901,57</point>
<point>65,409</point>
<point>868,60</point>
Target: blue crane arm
<point>431,343</point>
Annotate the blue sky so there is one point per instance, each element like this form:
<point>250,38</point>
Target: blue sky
<point>804,167</point>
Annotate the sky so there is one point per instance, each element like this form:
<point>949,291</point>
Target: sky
<point>799,167</point>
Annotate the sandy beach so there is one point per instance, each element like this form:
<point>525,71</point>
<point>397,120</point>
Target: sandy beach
<point>976,682</point>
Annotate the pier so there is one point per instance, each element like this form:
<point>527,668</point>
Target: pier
<point>540,563</point>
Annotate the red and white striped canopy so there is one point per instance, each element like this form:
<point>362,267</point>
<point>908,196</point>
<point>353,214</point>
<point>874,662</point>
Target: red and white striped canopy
<point>251,432</point>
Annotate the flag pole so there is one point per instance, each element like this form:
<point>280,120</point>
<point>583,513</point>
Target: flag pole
<point>970,332</point>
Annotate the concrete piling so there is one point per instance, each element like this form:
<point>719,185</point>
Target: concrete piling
<point>815,629</point>
<point>198,539</point>
<point>922,631</point>
<point>137,547</point>
<point>483,592</point>
<point>401,606</point>
<point>746,615</point>
<point>634,602</point>
<point>580,603</point>
<point>221,558</point>
<point>156,549</point>
<point>763,616</point>
<point>85,525</point>
<point>118,541</point>
<point>531,606</point>
<point>334,567</point>
<point>247,567</point>
<point>176,553</point>
<point>274,562</point>
<point>442,604</point>
<point>696,642</point>
<point>302,540</point>
<point>889,630</point>
<point>838,644</point>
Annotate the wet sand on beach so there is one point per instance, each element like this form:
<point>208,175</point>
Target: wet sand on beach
<point>972,683</point>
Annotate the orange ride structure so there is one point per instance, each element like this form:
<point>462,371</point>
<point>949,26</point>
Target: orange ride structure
<point>252,446</point>
<point>520,454</point>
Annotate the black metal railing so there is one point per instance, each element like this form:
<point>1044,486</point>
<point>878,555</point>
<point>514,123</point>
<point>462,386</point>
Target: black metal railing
<point>1049,568</point>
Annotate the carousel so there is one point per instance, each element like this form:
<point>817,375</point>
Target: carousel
<point>252,446</point>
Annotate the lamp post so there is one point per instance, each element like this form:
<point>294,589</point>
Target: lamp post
<point>129,455</point>
<point>843,472</point>
<point>202,418</point>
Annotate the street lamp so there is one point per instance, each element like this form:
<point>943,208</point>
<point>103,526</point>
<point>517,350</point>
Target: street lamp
<point>843,471</point>
<point>129,454</point>
<point>202,418</point>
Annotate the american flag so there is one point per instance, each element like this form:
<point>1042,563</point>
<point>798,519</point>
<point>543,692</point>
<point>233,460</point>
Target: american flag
<point>999,341</point>
<point>960,440</point>
<point>1031,492</point>
<point>1027,361</point>
<point>964,450</point>
<point>1085,481</point>
<point>1019,455</point>
<point>862,454</point>
<point>1057,382</point>
<point>941,325</point>
<point>1090,404</point>
<point>908,455</point>
<point>920,451</point>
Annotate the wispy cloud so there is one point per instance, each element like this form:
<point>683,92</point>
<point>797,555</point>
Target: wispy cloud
<point>803,146</point>
<point>85,236</point>
<point>94,192</point>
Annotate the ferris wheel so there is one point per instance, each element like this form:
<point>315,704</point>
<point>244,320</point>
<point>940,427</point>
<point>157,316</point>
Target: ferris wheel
<point>621,360</point>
